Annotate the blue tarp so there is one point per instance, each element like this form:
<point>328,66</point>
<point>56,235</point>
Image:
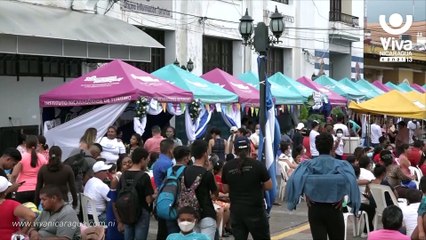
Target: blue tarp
<point>281,93</point>
<point>339,88</point>
<point>203,90</point>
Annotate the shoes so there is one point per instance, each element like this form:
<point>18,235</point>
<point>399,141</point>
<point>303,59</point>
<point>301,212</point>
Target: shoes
<point>364,235</point>
<point>225,234</point>
<point>277,204</point>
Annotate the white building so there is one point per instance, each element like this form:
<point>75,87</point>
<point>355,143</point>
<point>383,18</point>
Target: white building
<point>204,31</point>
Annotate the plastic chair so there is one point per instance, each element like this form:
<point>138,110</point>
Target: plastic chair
<point>85,202</point>
<point>359,221</point>
<point>417,172</point>
<point>378,191</point>
<point>284,178</point>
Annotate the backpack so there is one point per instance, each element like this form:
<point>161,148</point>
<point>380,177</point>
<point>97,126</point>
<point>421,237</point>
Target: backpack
<point>187,196</point>
<point>166,201</point>
<point>77,163</point>
<point>128,205</point>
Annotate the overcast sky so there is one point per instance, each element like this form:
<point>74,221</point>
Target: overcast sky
<point>403,7</point>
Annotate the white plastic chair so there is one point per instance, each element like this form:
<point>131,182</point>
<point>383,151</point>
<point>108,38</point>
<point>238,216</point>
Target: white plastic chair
<point>417,172</point>
<point>284,178</point>
<point>378,191</point>
<point>85,202</point>
<point>357,222</point>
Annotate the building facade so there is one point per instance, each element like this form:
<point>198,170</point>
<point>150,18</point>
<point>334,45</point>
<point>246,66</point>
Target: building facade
<point>321,37</point>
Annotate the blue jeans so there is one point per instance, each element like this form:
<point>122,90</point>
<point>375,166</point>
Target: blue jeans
<point>139,230</point>
<point>207,226</point>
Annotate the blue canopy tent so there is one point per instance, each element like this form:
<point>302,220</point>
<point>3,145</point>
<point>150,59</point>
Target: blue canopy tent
<point>282,94</point>
<point>395,87</point>
<point>367,92</point>
<point>366,84</point>
<point>340,88</point>
<point>291,85</point>
<point>406,87</point>
<point>209,94</point>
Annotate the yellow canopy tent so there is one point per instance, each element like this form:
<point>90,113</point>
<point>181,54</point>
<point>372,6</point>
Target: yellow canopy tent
<point>393,103</point>
<point>414,95</point>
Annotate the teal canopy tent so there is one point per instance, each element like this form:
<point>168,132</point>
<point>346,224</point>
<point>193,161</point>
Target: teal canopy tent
<point>281,93</point>
<point>424,86</point>
<point>367,92</point>
<point>366,84</point>
<point>203,90</point>
<point>339,88</point>
<point>291,85</point>
<point>406,87</point>
<point>395,87</point>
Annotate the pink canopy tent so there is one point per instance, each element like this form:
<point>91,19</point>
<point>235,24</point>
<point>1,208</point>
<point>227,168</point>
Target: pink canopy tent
<point>114,82</point>
<point>246,93</point>
<point>382,86</point>
<point>334,98</point>
<point>418,87</point>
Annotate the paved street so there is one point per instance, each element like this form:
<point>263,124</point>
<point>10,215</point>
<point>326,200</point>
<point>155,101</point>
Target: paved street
<point>289,225</point>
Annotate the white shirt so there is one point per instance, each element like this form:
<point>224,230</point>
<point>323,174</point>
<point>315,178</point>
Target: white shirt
<point>410,216</point>
<point>365,175</point>
<point>412,129</point>
<point>312,135</point>
<point>376,133</point>
<point>339,149</point>
<point>111,148</point>
<point>97,190</point>
<point>343,127</point>
<point>254,138</point>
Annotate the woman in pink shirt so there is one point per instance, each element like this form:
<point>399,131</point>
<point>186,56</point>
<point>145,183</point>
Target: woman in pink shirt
<point>26,171</point>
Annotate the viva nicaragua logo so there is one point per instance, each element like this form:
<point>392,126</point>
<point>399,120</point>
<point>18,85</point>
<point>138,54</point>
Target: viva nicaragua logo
<point>396,50</point>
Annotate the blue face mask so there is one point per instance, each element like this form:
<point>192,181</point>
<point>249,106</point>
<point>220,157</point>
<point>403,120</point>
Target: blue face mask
<point>370,154</point>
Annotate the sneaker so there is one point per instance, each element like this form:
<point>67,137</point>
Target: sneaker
<point>364,235</point>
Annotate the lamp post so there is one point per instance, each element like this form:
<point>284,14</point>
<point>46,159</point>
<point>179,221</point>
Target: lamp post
<point>261,41</point>
<point>189,65</point>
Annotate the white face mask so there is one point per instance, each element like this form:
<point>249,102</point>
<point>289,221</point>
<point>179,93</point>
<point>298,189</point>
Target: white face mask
<point>370,154</point>
<point>257,131</point>
<point>339,135</point>
<point>186,226</point>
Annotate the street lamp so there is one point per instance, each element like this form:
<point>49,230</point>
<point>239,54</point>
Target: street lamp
<point>189,65</point>
<point>261,41</point>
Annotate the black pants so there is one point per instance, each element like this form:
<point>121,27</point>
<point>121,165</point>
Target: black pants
<point>371,211</point>
<point>26,196</point>
<point>254,222</point>
<point>338,157</point>
<point>325,219</point>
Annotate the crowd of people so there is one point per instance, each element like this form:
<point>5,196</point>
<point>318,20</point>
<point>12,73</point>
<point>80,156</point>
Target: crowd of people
<point>214,187</point>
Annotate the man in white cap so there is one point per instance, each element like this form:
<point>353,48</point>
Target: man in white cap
<point>297,135</point>
<point>230,147</point>
<point>97,190</point>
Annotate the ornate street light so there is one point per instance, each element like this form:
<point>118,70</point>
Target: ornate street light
<point>190,65</point>
<point>246,27</point>
<point>277,24</point>
<point>261,42</point>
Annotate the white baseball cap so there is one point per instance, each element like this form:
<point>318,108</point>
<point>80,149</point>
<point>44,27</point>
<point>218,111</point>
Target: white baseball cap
<point>233,129</point>
<point>100,166</point>
<point>300,126</point>
<point>4,184</point>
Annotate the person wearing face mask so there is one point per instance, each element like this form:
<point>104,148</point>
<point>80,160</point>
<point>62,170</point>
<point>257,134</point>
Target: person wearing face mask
<point>187,218</point>
<point>339,144</point>
<point>287,157</point>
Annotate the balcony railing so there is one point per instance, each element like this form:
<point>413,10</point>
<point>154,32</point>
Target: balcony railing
<point>336,16</point>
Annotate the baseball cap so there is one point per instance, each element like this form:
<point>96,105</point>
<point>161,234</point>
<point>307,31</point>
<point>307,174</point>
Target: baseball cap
<point>241,143</point>
<point>233,129</point>
<point>4,184</point>
<point>300,126</point>
<point>100,166</point>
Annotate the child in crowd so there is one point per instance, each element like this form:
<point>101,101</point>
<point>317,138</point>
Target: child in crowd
<point>187,218</point>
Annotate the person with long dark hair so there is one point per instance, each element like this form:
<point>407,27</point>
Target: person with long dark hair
<point>26,170</point>
<point>57,174</point>
<point>245,179</point>
<point>135,142</point>
<point>42,146</point>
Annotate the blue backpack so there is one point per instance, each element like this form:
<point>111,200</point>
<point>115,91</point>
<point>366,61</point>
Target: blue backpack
<point>166,204</point>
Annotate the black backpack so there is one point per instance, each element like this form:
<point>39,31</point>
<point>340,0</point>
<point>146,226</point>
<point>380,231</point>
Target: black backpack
<point>128,205</point>
<point>78,164</point>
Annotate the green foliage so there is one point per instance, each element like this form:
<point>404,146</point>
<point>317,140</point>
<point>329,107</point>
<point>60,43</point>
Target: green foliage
<point>304,114</point>
<point>319,117</point>
<point>337,112</point>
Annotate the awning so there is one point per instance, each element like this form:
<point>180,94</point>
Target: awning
<point>40,30</point>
